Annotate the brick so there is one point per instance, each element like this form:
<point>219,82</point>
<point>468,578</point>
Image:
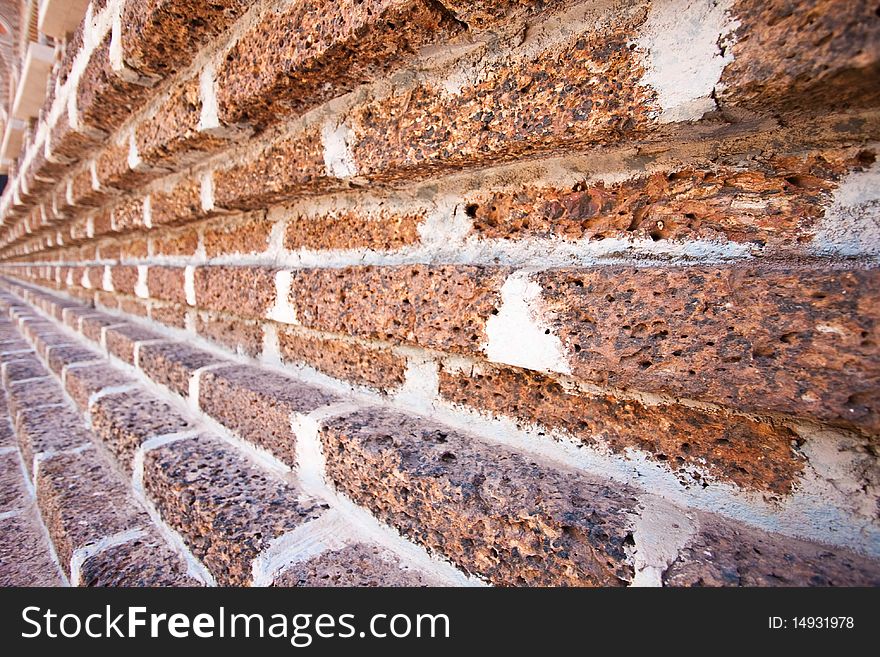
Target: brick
<point>12,486</point>
<point>226,508</point>
<point>113,169</point>
<point>788,340</point>
<point>106,300</point>
<point>33,394</point>
<point>725,553</point>
<point>125,278</point>
<point>161,36</point>
<point>124,421</point>
<point>291,166</point>
<point>61,357</point>
<point>171,135</point>
<point>82,191</point>
<point>505,517</point>
<point>377,368</point>
<point>753,455</point>
<point>442,306</point>
<point>177,243</point>
<point>26,561</point>
<point>103,99</point>
<point>174,364</point>
<point>775,201</point>
<point>248,234</point>
<point>360,564</point>
<point>257,405</point>
<point>121,340</point>
<point>181,204</point>
<point>383,230</point>
<point>135,307</point>
<point>49,430</point>
<point>169,314</point>
<point>240,336</point>
<point>67,142</point>
<point>23,368</point>
<point>247,291</point>
<point>144,561</point>
<point>129,215</point>
<point>82,501</point>
<point>134,249</point>
<point>92,325</point>
<point>82,382</point>
<point>299,56</point>
<point>167,283</point>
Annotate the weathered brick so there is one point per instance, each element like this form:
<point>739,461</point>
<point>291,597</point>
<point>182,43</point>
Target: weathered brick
<point>239,335</point>
<point>505,516</point>
<point>169,314</point>
<point>444,306</point>
<point>124,421</point>
<point>12,486</point>
<point>61,357</point>
<point>725,553</point>
<point>161,36</point>
<point>247,291</point>
<point>22,368</point>
<point>33,394</point>
<point>82,382</point>
<point>66,141</point>
<point>300,55</point>
<point>124,278</point>
<point>173,364</point>
<point>121,340</point>
<point>225,507</point>
<point>382,230</point>
<point>26,561</point>
<point>183,242</point>
<point>257,405</point>
<point>136,307</point>
<point>183,203</point>
<point>167,283</point>
<point>129,215</point>
<point>247,234</point>
<point>377,368</point>
<point>134,248</point>
<point>751,454</point>
<point>49,430</point>
<point>92,325</point>
<point>782,339</point>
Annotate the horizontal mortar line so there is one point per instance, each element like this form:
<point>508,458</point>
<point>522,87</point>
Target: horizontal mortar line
<point>86,552</point>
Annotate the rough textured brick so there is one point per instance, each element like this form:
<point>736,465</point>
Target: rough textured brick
<point>161,36</point>
<point>302,54</point>
<point>167,283</point>
<point>124,278</point>
<point>377,368</point>
<point>26,561</point>
<point>180,204</point>
<point>248,291</point>
<point>724,553</point>
<point>238,335</point>
<point>12,486</point>
<point>751,454</point>
<point>24,367</point>
<point>173,364</point>
<point>183,242</point>
<point>67,142</point>
<point>103,99</point>
<point>443,307</point>
<point>257,405</point>
<point>226,508</point>
<point>49,430</point>
<point>33,394</point>
<point>92,325</point>
<point>506,517</point>
<point>61,357</point>
<point>248,234</point>
<point>792,340</point>
<point>169,314</point>
<point>129,215</point>
<point>382,230</point>
<point>82,382</point>
<point>121,340</point>
<point>123,421</point>
<point>360,564</point>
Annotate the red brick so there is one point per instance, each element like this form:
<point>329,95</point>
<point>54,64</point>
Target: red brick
<point>238,335</point>
<point>124,277</point>
<point>247,234</point>
<point>383,230</point>
<point>173,364</point>
<point>247,291</point>
<point>183,203</point>
<point>167,283</point>
<point>176,243</point>
<point>121,340</point>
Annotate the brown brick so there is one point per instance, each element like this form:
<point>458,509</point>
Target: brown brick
<point>753,455</point>
<point>173,364</point>
<point>103,99</point>
<point>82,500</point>
<point>125,278</point>
<point>121,340</point>
<point>773,68</point>
<point>162,36</point>
<point>129,215</point>
<point>301,55</point>
<point>124,421</point>
<point>93,324</point>
<point>358,565</point>
<point>180,205</point>
<point>49,430</point>
<point>177,243</point>
<point>67,142</point>
<point>505,517</point>
<point>788,340</point>
<point>106,300</point>
<point>167,283</point>
<point>134,248</point>
<point>377,368</point>
<point>776,201</point>
<point>257,404</point>
<point>61,357</point>
<point>383,230</point>
<point>288,167</point>
<point>247,291</point>
<point>103,222</point>
<point>172,132</point>
<point>227,509</point>
<point>169,314</point>
<point>248,234</point>
<point>114,171</point>
<point>82,382</point>
<point>725,553</point>
<point>26,561</point>
<point>241,336</point>
<point>135,307</point>
<point>82,191</point>
<point>442,306</point>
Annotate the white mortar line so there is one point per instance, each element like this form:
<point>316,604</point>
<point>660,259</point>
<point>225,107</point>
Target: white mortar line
<point>80,555</point>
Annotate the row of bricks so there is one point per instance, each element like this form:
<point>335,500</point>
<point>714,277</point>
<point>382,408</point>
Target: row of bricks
<point>507,517</point>
<point>774,204</point>
<point>155,40</point>
<point>794,339</point>
<point>227,509</point>
<point>299,163</point>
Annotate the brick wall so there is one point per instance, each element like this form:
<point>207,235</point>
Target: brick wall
<point>517,293</point>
